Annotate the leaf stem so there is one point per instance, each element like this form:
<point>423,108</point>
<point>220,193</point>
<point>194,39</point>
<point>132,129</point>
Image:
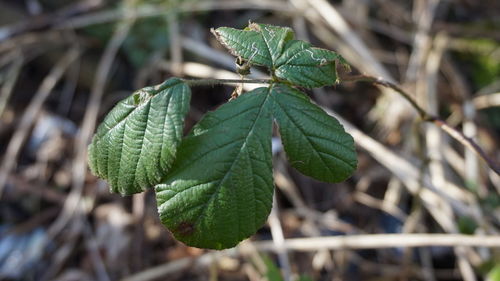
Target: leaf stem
<point>451,131</point>
<point>211,82</point>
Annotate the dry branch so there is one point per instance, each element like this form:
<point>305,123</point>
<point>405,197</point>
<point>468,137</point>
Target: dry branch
<point>454,133</point>
<point>379,241</point>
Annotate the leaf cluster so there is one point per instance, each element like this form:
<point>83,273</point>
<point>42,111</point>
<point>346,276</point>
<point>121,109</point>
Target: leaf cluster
<point>214,187</point>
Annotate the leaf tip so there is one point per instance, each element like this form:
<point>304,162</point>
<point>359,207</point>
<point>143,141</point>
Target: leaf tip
<point>345,67</point>
<point>213,31</point>
<point>220,37</point>
<point>217,34</point>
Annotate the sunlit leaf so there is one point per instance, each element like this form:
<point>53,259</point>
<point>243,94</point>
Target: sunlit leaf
<point>137,141</point>
<point>220,189</point>
<point>292,60</point>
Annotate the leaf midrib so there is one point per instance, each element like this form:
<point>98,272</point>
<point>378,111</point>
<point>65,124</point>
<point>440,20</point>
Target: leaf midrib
<point>212,197</point>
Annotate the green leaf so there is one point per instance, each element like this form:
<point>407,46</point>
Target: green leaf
<point>220,188</point>
<point>315,143</point>
<point>136,143</point>
<point>259,43</point>
<point>307,66</point>
<point>244,43</point>
<point>295,61</point>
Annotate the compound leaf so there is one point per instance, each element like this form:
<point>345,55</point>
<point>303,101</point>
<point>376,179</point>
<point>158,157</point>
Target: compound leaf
<point>220,188</point>
<point>292,60</point>
<point>136,143</point>
<point>315,143</point>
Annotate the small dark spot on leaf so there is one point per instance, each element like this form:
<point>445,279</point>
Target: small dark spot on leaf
<point>141,97</point>
<point>136,99</point>
<point>185,228</point>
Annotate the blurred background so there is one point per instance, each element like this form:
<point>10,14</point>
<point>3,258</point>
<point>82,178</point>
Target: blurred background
<point>64,64</point>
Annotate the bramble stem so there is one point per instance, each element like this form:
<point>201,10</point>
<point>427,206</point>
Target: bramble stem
<point>211,82</point>
<point>451,131</point>
<point>379,81</point>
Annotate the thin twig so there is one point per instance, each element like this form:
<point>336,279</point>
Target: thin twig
<point>201,49</point>
<point>278,239</point>
<point>79,168</point>
<point>408,173</point>
<point>69,89</point>
<point>211,82</point>
<point>424,18</point>
<point>198,70</point>
<point>47,21</point>
<point>31,112</point>
<point>485,101</point>
<point>93,248</point>
<point>11,80</point>
<point>139,214</point>
<point>144,11</point>
<point>337,22</point>
<point>372,202</point>
<point>176,43</point>
<point>454,133</point>
<point>380,241</point>
<point>178,265</point>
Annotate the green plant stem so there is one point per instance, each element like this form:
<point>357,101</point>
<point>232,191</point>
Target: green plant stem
<point>211,82</point>
<point>451,131</point>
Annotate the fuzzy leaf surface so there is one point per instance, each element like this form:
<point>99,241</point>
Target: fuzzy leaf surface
<point>220,188</point>
<point>316,144</point>
<point>292,60</point>
<point>136,143</point>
